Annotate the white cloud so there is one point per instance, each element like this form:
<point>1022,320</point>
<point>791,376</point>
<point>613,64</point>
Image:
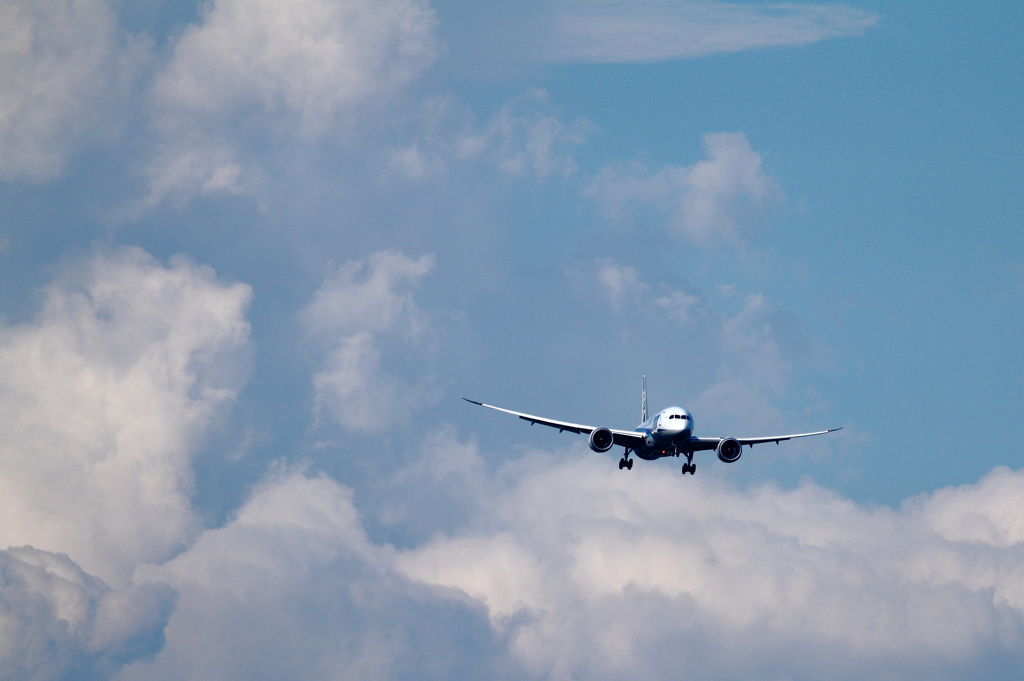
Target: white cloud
<point>361,306</point>
<point>714,201</point>
<point>312,59</point>
<point>295,71</point>
<point>180,173</point>
<point>612,31</point>
<point>58,622</point>
<point>58,60</point>
<point>293,589</point>
<point>590,572</point>
<point>104,397</point>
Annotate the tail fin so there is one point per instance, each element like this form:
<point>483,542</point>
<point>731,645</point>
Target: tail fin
<point>643,402</point>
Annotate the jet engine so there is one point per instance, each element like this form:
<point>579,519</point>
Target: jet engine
<point>601,439</point>
<point>729,450</point>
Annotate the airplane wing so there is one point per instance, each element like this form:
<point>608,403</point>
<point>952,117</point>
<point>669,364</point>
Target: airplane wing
<point>701,443</point>
<point>626,438</point>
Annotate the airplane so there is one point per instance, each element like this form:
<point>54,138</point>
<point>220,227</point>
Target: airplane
<point>667,433</point>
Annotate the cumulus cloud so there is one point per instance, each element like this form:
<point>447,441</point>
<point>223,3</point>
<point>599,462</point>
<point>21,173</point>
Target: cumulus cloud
<point>292,588</point>
<point>104,397</point>
<point>312,59</point>
<point>590,572</point>
<point>714,201</point>
<point>59,59</point>
<point>606,31</point>
<point>270,70</point>
<point>360,308</point>
<point>58,622</point>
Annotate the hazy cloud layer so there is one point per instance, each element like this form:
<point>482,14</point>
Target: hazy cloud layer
<point>711,202</point>
<point>104,397</point>
<point>611,31</point>
<point>360,307</point>
<point>58,61</point>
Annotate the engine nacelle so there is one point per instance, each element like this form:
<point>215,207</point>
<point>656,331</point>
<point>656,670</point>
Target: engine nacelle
<point>601,439</point>
<point>729,450</point>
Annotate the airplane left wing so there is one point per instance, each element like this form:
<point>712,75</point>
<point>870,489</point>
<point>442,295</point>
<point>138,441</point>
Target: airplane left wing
<point>625,438</point>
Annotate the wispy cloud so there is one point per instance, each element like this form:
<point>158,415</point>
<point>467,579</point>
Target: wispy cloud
<point>358,307</point>
<point>59,62</point>
<point>612,31</point>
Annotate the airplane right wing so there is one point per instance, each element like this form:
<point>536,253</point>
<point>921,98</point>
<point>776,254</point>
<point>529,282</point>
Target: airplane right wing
<point>625,438</point>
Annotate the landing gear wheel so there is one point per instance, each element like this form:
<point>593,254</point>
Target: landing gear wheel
<point>622,464</point>
<point>629,464</point>
<point>690,468</point>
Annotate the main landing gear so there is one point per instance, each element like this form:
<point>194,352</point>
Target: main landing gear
<point>625,461</point>
<point>689,467</point>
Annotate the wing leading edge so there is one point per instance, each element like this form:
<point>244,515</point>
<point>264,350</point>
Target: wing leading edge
<point>705,443</point>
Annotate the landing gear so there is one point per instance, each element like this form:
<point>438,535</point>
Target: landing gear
<point>689,467</point>
<point>625,461</point>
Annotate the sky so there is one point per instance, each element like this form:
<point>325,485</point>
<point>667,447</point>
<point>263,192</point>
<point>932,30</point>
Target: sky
<point>253,253</point>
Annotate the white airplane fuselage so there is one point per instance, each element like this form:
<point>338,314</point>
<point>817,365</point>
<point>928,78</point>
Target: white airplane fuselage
<point>663,432</point>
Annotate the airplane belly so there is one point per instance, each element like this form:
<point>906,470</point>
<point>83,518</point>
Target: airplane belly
<point>649,454</point>
<point>661,444</point>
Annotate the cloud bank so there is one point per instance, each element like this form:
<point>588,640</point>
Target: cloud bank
<point>562,566</point>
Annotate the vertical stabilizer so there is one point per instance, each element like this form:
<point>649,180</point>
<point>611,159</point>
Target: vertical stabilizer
<point>643,401</point>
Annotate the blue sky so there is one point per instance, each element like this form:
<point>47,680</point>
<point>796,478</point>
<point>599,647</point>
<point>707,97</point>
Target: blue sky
<point>253,253</point>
